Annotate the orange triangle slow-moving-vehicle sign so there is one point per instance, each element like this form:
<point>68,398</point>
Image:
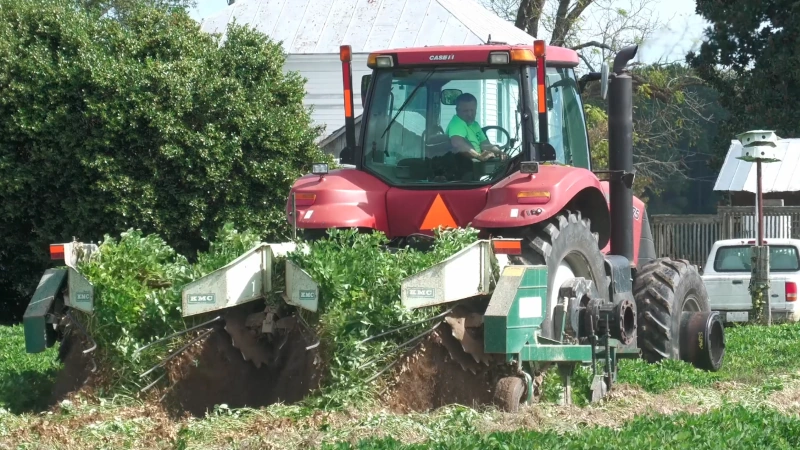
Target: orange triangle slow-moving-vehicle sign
<point>438,215</point>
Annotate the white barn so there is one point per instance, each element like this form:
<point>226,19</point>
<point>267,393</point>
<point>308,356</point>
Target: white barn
<point>312,31</point>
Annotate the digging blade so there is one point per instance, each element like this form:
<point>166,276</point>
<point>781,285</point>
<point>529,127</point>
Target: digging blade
<point>244,340</point>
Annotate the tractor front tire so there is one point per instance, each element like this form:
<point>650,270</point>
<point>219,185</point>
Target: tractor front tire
<point>664,289</point>
<point>565,239</point>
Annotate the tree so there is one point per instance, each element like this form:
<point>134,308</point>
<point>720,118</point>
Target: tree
<point>120,9</point>
<point>596,29</point>
<point>670,113</point>
<point>750,56</point>
<point>147,123</point>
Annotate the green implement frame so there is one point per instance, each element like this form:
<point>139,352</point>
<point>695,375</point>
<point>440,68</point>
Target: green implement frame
<point>513,320</point>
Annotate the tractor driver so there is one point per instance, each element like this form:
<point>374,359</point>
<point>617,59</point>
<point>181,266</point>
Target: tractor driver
<point>466,135</point>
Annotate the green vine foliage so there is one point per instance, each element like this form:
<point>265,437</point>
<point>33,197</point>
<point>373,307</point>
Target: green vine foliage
<point>138,280</point>
<point>360,297</point>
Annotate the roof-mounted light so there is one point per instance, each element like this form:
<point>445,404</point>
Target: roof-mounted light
<point>376,60</point>
<point>539,48</point>
<point>522,55</point>
<point>499,57</point>
<point>345,53</point>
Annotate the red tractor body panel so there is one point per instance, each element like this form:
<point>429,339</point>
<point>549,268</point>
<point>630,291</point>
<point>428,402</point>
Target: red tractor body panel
<point>505,209</point>
<point>421,211</point>
<point>343,199</point>
<point>348,198</point>
<point>465,54</point>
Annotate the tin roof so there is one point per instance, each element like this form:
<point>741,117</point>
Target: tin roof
<point>737,175</point>
<point>321,26</point>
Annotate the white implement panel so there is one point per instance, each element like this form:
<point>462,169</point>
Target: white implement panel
<point>466,274</point>
<point>80,293</point>
<point>301,289</point>
<point>245,279</point>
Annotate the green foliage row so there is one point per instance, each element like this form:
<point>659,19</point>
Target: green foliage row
<point>138,280</point>
<point>146,123</point>
<point>731,426</point>
<point>360,288</point>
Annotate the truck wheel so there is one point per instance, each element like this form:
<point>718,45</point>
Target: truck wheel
<point>569,248</point>
<point>664,289</point>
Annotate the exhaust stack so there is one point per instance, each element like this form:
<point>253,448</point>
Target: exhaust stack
<point>620,158</point>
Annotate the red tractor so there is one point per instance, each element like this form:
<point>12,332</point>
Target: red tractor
<point>494,137</point>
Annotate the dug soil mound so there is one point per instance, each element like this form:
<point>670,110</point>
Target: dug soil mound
<point>77,367</point>
<point>429,378</point>
<point>213,372</point>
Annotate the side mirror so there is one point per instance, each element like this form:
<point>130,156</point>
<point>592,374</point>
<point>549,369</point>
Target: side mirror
<point>364,88</point>
<point>604,80</point>
<point>449,96</point>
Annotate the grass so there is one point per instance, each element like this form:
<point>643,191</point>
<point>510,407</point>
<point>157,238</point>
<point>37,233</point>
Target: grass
<point>743,406</point>
<point>753,353</point>
<point>25,380</point>
<point>731,426</point>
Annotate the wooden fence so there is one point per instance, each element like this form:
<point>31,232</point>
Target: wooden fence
<point>691,236</point>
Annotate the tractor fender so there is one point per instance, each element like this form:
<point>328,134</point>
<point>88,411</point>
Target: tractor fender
<point>343,198</point>
<point>525,199</point>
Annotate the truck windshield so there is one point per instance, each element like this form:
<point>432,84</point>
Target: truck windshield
<point>414,113</point>
<point>782,258</point>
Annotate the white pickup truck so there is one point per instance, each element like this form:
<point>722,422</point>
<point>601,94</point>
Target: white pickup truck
<point>727,278</point>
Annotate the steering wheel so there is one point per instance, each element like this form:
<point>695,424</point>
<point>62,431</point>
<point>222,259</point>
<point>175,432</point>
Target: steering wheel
<point>504,148</point>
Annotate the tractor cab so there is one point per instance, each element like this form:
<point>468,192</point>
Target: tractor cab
<point>425,108</point>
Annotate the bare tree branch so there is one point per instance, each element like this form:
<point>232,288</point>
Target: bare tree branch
<point>592,44</point>
<point>529,14</point>
<point>565,20</point>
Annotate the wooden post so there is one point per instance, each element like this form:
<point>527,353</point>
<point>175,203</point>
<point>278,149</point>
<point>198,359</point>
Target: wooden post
<point>758,146</point>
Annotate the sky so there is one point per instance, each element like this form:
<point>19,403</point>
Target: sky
<point>683,32</point>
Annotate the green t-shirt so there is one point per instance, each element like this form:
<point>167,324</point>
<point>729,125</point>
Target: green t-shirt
<point>472,133</point>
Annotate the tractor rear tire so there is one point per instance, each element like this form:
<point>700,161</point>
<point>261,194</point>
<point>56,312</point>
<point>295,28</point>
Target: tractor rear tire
<point>508,394</point>
<point>567,237</point>
<point>663,289</point>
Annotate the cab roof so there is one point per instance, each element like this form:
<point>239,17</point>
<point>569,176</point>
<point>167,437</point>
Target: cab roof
<point>456,54</point>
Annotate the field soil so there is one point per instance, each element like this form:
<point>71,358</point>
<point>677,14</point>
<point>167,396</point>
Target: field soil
<point>428,378</point>
<point>77,369</point>
<point>213,372</point>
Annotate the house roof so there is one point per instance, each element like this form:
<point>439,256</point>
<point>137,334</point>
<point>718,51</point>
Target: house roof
<point>737,175</point>
<point>321,26</point>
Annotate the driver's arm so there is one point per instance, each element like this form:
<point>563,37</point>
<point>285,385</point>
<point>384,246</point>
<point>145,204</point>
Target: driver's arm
<point>463,146</point>
<point>487,146</point>
<point>458,139</point>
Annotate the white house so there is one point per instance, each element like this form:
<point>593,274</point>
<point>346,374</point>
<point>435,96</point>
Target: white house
<point>312,31</point>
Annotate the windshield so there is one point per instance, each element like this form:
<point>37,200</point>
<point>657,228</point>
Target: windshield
<point>782,258</point>
<point>415,114</point>
<point>464,125</point>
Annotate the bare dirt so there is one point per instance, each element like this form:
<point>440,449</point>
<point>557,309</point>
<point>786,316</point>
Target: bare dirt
<point>77,367</point>
<point>428,378</point>
<point>214,372</point>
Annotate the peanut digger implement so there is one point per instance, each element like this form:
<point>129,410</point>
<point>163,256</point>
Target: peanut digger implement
<point>564,271</point>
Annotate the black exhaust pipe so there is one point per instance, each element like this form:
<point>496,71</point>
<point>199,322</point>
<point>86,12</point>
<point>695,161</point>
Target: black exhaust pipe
<point>620,158</point>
